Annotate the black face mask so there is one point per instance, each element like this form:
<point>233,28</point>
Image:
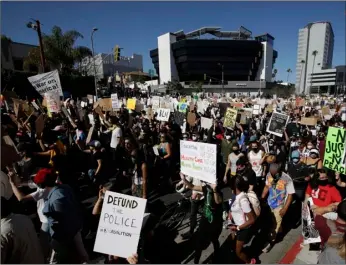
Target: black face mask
<point>324,182</point>
<point>255,149</point>
<point>236,151</point>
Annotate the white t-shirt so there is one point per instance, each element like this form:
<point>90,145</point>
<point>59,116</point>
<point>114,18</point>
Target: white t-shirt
<point>40,195</point>
<point>255,159</point>
<point>116,135</point>
<point>239,208</point>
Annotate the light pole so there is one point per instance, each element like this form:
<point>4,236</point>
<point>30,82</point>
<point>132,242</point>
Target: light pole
<point>222,77</point>
<point>92,47</point>
<point>37,26</point>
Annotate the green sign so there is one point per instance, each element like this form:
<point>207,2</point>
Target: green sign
<point>335,151</point>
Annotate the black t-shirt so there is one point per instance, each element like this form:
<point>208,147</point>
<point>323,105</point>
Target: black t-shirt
<point>99,155</point>
<point>250,176</point>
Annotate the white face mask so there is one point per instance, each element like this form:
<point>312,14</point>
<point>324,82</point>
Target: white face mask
<point>228,137</point>
<point>194,138</point>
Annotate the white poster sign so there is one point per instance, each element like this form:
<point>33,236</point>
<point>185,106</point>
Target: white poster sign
<point>206,123</point>
<point>115,101</point>
<point>256,109</point>
<point>198,160</point>
<point>155,103</point>
<point>163,114</point>
<point>120,224</point>
<point>46,83</point>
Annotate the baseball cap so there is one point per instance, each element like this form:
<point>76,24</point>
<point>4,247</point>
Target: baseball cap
<point>45,174</point>
<point>95,143</point>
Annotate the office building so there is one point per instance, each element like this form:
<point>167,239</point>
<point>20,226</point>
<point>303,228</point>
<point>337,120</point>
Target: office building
<point>106,65</point>
<point>212,56</point>
<point>314,58</point>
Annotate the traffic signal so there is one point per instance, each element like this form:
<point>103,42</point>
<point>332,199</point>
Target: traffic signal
<point>117,53</point>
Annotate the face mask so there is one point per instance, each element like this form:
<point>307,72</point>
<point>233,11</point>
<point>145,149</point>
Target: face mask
<point>236,151</point>
<point>194,138</point>
<point>228,137</point>
<point>310,147</point>
<point>255,149</point>
<point>323,182</point>
<point>295,160</point>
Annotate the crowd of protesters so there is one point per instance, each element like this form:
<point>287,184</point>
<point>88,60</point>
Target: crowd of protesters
<point>268,176</point>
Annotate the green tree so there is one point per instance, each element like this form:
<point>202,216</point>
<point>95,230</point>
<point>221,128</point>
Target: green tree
<point>173,86</point>
<point>196,86</point>
<point>60,51</point>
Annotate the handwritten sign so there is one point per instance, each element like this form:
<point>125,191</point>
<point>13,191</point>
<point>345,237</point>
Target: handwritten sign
<point>277,124</point>
<point>335,151</point>
<point>115,101</point>
<point>230,118</point>
<point>198,160</point>
<point>120,224</point>
<point>131,104</point>
<point>163,114</point>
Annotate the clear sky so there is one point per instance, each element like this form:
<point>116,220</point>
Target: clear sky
<point>136,25</point>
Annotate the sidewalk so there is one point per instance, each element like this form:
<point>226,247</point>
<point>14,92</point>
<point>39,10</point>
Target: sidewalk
<point>300,254</point>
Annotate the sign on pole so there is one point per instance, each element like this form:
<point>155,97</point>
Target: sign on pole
<point>198,160</point>
<point>120,224</point>
<point>47,83</point>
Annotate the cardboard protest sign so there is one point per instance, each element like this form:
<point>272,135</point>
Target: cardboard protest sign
<point>237,105</point>
<point>163,114</point>
<point>120,224</point>
<point>191,119</point>
<point>46,83</point>
<point>98,110</point>
<point>230,118</point>
<point>311,121</point>
<point>131,104</point>
<point>325,111</point>
<point>277,124</point>
<point>155,103</point>
<point>115,101</point>
<point>206,123</point>
<point>39,125</point>
<point>335,151</point>
<point>105,104</point>
<point>198,160</point>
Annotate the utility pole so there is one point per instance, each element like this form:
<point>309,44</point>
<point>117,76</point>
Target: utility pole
<point>37,26</point>
<point>222,77</point>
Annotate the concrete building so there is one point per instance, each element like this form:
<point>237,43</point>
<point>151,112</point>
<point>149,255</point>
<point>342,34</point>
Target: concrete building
<point>106,65</point>
<point>232,58</point>
<point>13,54</point>
<point>341,79</point>
<point>314,58</point>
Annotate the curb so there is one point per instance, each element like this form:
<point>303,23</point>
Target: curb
<point>293,252</point>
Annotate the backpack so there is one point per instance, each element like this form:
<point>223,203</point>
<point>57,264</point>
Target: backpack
<point>252,198</point>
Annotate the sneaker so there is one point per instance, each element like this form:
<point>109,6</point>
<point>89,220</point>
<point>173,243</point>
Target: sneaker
<point>253,261</point>
<point>186,235</point>
<point>267,248</point>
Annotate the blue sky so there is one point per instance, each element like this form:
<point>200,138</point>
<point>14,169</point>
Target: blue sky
<point>136,25</point>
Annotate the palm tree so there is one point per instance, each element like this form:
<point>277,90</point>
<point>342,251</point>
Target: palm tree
<point>301,73</point>
<point>274,73</point>
<point>60,51</point>
<point>288,73</point>
<point>314,53</point>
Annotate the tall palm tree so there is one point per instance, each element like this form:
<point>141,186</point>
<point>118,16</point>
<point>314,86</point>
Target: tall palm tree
<point>302,62</point>
<point>314,53</point>
<point>60,51</point>
<point>288,73</point>
<point>274,73</point>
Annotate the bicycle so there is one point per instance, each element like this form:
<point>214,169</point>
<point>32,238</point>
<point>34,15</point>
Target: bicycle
<point>176,213</point>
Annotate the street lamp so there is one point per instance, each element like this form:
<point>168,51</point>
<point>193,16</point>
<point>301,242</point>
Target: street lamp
<point>222,76</point>
<point>37,27</point>
<point>92,47</point>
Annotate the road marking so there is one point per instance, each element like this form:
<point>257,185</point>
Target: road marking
<point>293,252</point>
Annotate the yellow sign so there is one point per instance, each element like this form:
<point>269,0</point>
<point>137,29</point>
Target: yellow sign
<point>131,103</point>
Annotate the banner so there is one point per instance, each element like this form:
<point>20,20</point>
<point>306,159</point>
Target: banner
<point>46,83</point>
<point>335,150</point>
<point>163,114</point>
<point>120,224</point>
<point>277,124</point>
<point>198,160</point>
<point>230,118</point>
<point>53,102</point>
<point>115,101</point>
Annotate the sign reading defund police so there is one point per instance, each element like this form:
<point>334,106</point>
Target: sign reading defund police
<point>46,83</point>
<point>120,225</point>
<point>335,151</point>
